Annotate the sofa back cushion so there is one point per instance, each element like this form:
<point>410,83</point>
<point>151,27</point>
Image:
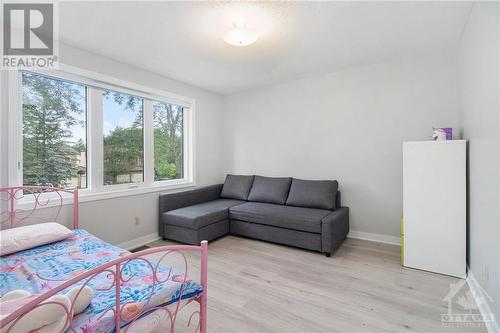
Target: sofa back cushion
<point>237,187</point>
<point>313,193</point>
<point>270,189</point>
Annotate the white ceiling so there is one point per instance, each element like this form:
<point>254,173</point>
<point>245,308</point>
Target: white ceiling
<point>307,38</point>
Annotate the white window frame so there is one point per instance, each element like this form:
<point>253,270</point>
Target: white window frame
<point>95,82</point>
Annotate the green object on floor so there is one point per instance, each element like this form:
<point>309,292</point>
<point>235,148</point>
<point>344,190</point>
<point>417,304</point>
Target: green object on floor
<point>402,259</point>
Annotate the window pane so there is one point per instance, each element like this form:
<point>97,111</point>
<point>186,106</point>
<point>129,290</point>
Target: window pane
<point>54,132</point>
<point>123,138</point>
<point>168,141</point>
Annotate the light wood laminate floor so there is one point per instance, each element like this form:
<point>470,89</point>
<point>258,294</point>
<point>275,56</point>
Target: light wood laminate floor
<point>256,286</point>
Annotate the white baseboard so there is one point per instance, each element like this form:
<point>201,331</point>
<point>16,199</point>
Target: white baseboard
<point>484,307</point>
<point>140,241</point>
<point>374,237</point>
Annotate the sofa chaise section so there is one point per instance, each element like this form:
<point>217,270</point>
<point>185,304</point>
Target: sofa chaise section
<point>192,216</point>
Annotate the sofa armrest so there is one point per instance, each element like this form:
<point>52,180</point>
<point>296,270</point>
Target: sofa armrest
<point>334,229</point>
<point>171,201</point>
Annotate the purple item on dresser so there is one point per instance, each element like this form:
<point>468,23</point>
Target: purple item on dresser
<point>448,132</point>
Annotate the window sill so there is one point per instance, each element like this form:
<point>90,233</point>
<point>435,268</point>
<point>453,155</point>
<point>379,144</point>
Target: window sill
<point>84,196</point>
<point>118,193</point>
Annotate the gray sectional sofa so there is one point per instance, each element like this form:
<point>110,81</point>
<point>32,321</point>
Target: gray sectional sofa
<point>302,213</point>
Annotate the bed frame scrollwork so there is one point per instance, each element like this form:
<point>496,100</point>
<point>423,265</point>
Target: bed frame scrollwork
<point>116,271</point>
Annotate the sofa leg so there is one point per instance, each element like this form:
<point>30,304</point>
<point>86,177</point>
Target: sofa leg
<point>328,254</point>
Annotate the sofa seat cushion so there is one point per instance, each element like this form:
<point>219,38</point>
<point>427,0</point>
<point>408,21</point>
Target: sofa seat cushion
<point>200,215</point>
<point>296,218</point>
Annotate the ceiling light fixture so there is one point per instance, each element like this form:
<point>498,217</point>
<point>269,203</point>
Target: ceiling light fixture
<point>240,35</point>
<point>238,23</point>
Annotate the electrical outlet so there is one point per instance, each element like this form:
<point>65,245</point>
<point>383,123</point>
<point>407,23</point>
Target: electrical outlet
<point>136,220</point>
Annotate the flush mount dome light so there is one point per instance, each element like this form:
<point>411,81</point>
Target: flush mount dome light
<point>238,23</point>
<point>241,35</point>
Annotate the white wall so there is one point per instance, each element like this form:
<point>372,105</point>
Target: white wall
<point>113,219</point>
<point>3,126</point>
<point>348,126</point>
<point>479,92</point>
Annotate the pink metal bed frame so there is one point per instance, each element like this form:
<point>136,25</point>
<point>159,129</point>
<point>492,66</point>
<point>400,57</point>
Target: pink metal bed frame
<point>45,197</point>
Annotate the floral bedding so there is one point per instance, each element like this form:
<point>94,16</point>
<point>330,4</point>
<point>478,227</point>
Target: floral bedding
<point>42,268</point>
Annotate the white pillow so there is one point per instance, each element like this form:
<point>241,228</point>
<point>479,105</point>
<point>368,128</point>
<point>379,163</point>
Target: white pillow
<point>27,237</point>
<point>47,318</point>
<point>52,316</point>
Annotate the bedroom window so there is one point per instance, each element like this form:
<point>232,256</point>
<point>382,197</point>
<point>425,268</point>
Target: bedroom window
<point>105,136</point>
<point>168,128</point>
<point>54,132</point>
<point>123,141</point>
